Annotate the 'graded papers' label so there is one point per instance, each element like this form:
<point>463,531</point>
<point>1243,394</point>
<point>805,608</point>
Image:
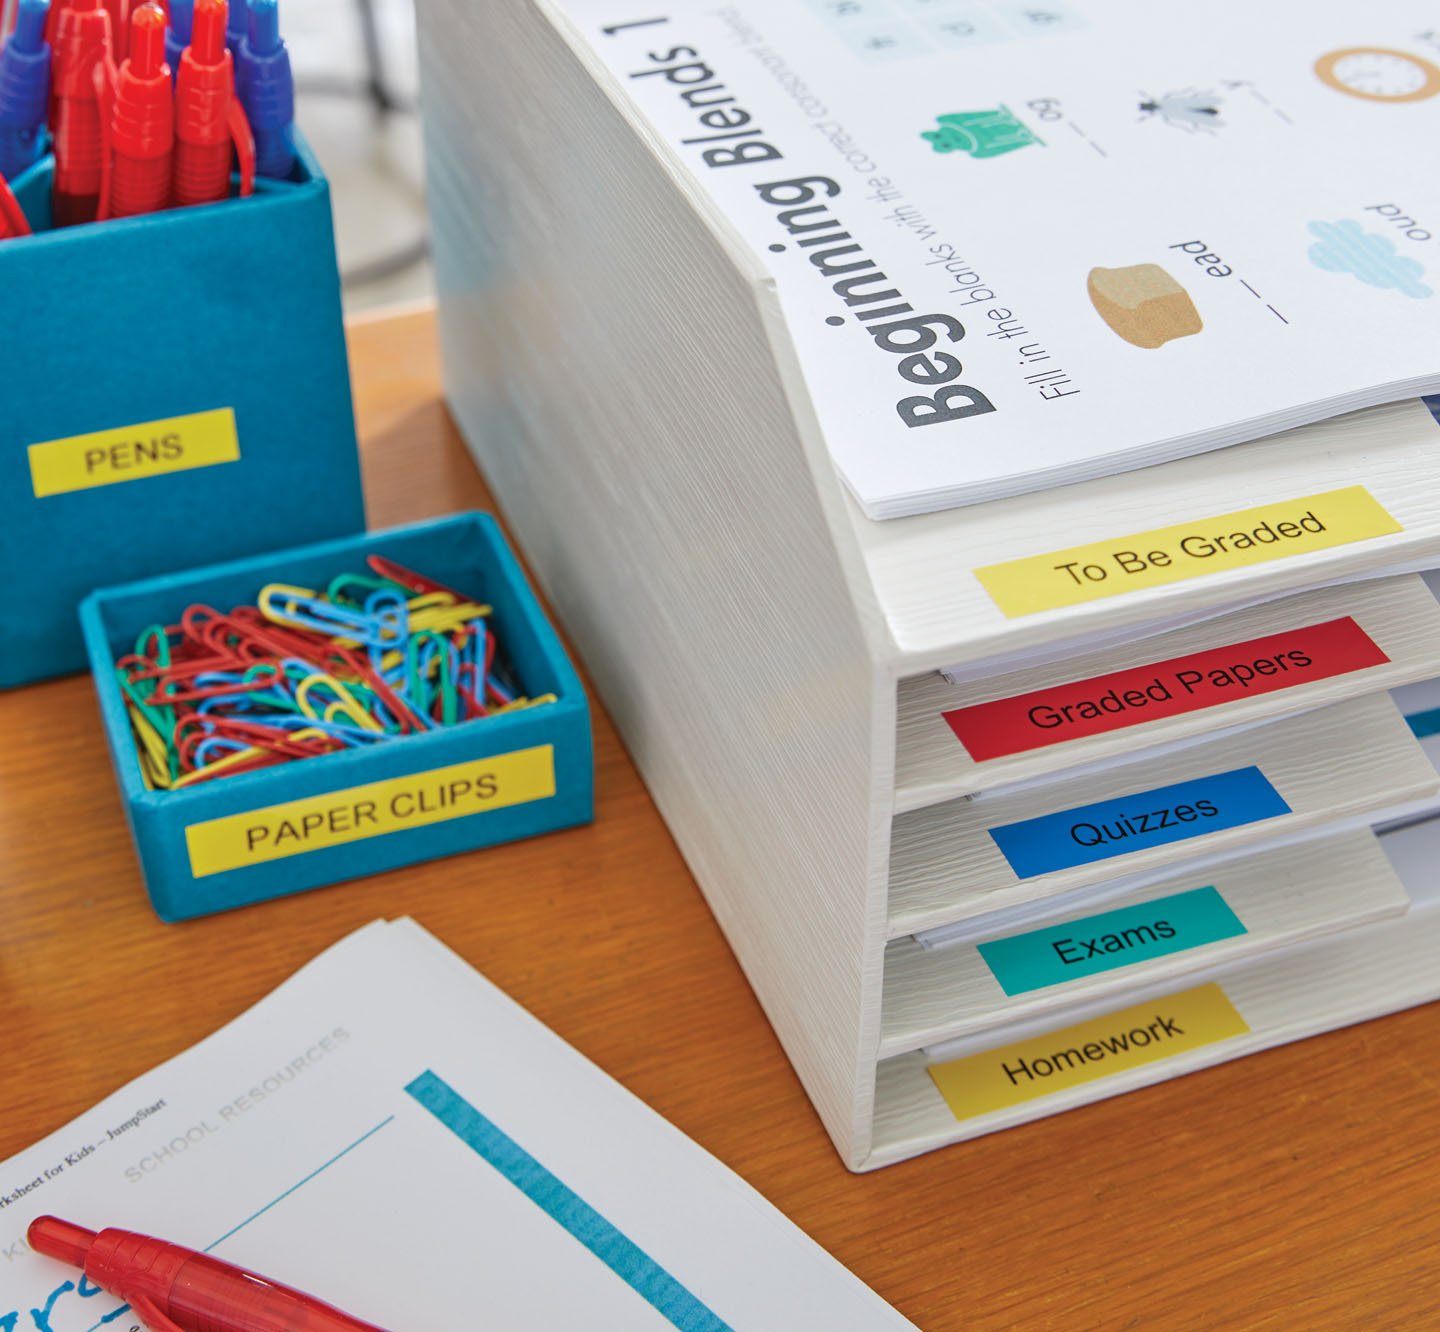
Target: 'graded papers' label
<point>132,453</point>
<point>370,811</point>
<point>1187,550</point>
<point>1205,679</point>
<point>982,1083</point>
<point>1088,833</point>
<point>1109,940</point>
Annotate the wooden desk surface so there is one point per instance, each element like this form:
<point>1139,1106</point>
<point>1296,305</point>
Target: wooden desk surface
<point>1297,1188</point>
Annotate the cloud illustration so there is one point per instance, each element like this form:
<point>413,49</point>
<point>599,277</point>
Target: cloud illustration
<point>1343,247</point>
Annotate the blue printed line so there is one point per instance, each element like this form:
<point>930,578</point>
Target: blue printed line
<point>620,1254</point>
<point>281,1197</point>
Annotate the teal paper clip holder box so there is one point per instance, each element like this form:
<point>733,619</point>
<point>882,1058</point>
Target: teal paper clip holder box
<point>174,389</point>
<point>230,841</point>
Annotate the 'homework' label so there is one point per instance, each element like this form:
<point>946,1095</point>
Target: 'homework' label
<point>1186,550</point>
<point>982,1083</point>
<point>1109,940</point>
<point>1088,833</point>
<point>1141,694</point>
<point>133,453</point>
<point>372,810</point>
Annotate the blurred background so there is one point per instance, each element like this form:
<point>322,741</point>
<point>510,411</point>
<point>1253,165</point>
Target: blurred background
<point>357,102</point>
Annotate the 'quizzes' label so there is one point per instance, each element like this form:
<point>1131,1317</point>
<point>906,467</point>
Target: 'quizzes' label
<point>982,1083</point>
<point>133,453</point>
<point>1187,550</point>
<point>372,810</point>
<point>1205,679</point>
<point>1088,833</point>
<point>1109,940</point>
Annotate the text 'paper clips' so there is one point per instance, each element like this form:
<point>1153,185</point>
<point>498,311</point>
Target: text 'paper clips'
<point>373,657</point>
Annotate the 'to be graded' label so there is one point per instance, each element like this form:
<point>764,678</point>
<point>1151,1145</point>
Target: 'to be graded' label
<point>134,453</point>
<point>372,810</point>
<point>997,1079</point>
<point>1187,550</point>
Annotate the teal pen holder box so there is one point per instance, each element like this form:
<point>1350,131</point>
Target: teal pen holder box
<point>174,390</point>
<point>233,840</point>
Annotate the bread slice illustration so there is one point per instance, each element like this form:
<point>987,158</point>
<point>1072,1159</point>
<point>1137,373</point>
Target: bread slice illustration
<point>1143,304</point>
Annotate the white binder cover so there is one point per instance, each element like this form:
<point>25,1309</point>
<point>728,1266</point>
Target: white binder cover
<point>1019,245</point>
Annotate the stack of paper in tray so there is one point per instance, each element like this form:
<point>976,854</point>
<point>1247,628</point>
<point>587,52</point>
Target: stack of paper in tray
<point>1011,806</point>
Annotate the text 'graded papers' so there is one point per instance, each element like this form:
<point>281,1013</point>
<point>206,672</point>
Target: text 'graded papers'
<point>351,815</point>
<point>1187,550</point>
<point>1103,1047</point>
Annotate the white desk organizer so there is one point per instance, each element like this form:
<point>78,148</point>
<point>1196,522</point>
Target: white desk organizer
<point>618,361</point>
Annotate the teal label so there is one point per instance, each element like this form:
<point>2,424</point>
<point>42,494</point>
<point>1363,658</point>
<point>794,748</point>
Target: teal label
<point>1112,939</point>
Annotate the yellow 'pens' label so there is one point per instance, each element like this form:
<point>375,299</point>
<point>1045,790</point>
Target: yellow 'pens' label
<point>1187,550</point>
<point>982,1083</point>
<point>133,453</point>
<point>372,810</point>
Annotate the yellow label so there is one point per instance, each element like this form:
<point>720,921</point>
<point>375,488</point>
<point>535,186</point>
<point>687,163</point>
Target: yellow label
<point>132,453</point>
<point>979,1084</point>
<point>371,810</point>
<point>1187,550</point>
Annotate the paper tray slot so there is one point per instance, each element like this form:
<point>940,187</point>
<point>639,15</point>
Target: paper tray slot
<point>1182,924</point>
<point>1350,764</point>
<point>1132,699</point>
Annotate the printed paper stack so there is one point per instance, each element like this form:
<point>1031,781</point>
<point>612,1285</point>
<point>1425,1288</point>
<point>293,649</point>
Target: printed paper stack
<point>1017,805</point>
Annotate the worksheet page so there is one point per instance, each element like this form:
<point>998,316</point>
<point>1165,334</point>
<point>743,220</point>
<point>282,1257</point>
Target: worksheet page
<point>391,1134</point>
<point>1024,243</point>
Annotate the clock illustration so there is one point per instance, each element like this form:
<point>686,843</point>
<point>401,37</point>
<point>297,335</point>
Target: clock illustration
<point>1379,74</point>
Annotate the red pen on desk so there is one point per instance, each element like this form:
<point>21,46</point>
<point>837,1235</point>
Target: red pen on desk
<point>141,124</point>
<point>178,1290</point>
<point>82,45</point>
<point>119,11</point>
<point>208,115</point>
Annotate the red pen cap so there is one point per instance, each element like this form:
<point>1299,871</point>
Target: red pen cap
<point>204,89</point>
<point>82,42</point>
<point>191,1289</point>
<point>142,128</point>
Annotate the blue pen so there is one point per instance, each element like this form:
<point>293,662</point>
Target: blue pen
<point>24,89</point>
<point>237,26</point>
<point>177,36</point>
<point>267,91</point>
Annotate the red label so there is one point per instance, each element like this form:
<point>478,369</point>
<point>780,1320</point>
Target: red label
<point>1163,689</point>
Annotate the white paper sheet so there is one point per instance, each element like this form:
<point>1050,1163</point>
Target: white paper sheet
<point>389,1132</point>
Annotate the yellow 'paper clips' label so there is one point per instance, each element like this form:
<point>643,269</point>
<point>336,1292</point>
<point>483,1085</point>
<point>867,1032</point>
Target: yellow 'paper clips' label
<point>371,810</point>
<point>1186,550</point>
<point>982,1083</point>
<point>133,453</point>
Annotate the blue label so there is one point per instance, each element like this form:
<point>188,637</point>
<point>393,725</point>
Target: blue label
<point>1111,939</point>
<point>1088,833</point>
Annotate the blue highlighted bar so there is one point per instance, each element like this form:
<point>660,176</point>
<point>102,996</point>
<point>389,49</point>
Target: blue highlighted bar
<point>1089,833</point>
<point>1110,940</point>
<point>552,1195</point>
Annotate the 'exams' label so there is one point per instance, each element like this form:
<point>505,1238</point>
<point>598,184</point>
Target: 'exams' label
<point>1187,550</point>
<point>133,453</point>
<point>1088,833</point>
<point>1109,940</point>
<point>1163,689</point>
<point>372,810</point>
<point>982,1083</point>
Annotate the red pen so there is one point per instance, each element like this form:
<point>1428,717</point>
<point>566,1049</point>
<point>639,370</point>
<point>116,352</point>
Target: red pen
<point>82,44</point>
<point>208,115</point>
<point>141,124</point>
<point>13,221</point>
<point>178,1290</point>
<point>119,11</point>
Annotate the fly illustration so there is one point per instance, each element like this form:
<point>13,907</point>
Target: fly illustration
<point>1189,109</point>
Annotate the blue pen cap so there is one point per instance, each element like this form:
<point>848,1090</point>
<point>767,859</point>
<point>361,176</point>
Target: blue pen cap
<point>267,91</point>
<point>237,25</point>
<point>177,35</point>
<point>24,89</point>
